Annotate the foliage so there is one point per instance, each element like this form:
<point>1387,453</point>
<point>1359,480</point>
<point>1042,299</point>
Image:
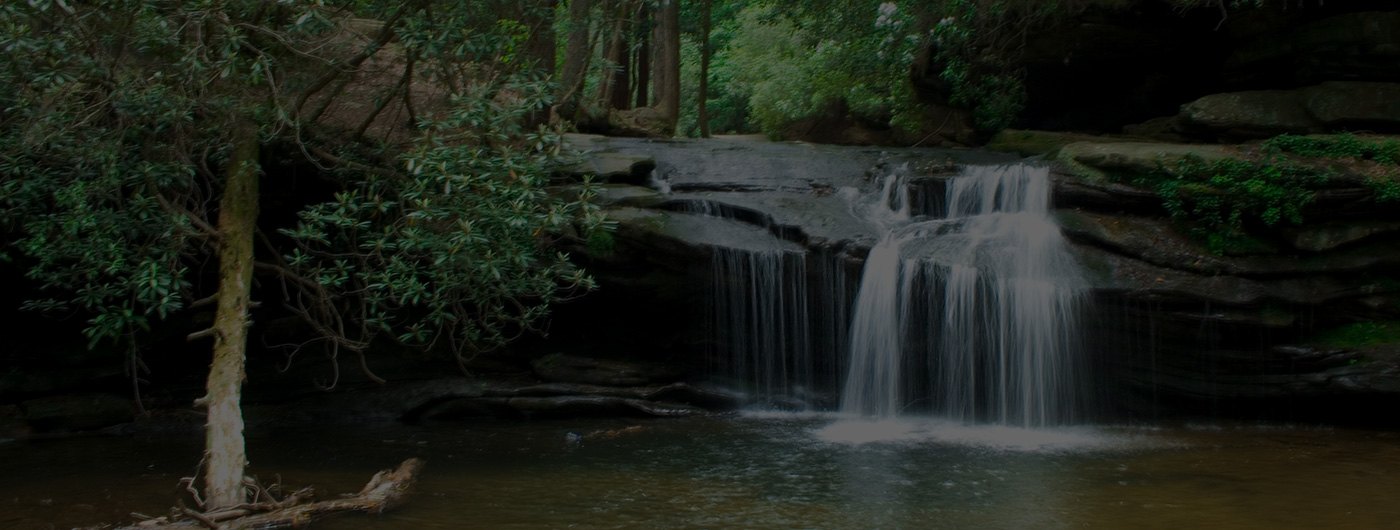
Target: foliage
<point>1385,153</point>
<point>1344,145</point>
<point>113,135</point>
<point>451,251</point>
<point>982,81</point>
<point>1360,335</point>
<point>793,62</point>
<point>728,109</point>
<point>1220,198</point>
<point>1217,199</point>
<point>796,63</point>
<point>89,153</point>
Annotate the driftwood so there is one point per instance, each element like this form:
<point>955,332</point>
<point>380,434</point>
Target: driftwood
<point>388,489</point>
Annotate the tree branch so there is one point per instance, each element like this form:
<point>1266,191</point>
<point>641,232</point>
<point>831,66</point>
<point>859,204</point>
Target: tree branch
<point>386,33</point>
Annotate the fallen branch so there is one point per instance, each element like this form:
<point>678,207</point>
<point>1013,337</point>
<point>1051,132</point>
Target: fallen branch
<point>388,489</point>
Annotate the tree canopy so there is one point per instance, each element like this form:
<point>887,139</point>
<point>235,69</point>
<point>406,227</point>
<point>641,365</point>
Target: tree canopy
<point>134,135</point>
<point>117,119</point>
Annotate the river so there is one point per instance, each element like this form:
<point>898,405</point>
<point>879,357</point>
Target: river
<point>758,471</point>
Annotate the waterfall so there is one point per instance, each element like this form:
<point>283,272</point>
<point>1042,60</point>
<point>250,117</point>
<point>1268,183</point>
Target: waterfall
<point>760,321</point>
<point>971,316</point>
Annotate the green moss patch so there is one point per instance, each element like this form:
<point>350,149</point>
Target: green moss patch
<point>1360,335</point>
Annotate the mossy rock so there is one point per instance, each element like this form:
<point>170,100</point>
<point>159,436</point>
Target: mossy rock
<point>1359,335</point>
<point>1033,143</point>
<point>1124,161</point>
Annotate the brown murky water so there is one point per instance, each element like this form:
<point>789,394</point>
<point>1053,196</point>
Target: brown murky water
<point>767,471</point>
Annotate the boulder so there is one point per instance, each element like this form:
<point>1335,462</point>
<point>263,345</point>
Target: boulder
<point>1096,161</point>
<point>1351,104</point>
<point>1161,129</point>
<point>1334,105</point>
<point>1249,114</point>
<point>77,412</point>
<point>1330,235</point>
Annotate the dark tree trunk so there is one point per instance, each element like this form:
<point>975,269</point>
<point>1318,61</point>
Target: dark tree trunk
<point>576,52</point>
<point>540,45</point>
<point>642,79</point>
<point>666,67</point>
<point>614,81</point>
<point>703,94</point>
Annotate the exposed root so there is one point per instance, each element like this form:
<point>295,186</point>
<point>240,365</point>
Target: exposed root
<point>387,490</point>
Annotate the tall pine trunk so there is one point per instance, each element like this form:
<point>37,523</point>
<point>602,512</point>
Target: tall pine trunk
<point>666,64</point>
<point>614,81</point>
<point>642,72</point>
<point>576,51</point>
<point>703,93</point>
<point>540,44</point>
<point>238,213</point>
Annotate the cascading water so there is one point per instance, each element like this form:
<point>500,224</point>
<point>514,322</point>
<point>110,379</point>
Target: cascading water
<point>971,316</point>
<point>770,318</point>
<point>760,320</point>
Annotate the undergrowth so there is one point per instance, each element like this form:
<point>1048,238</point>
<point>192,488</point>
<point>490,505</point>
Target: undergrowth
<point>1360,335</point>
<point>1217,200</point>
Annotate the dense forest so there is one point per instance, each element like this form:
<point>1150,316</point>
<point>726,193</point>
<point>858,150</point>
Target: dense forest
<point>338,190</point>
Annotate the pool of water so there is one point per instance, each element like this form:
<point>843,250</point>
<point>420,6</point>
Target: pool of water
<point>759,470</point>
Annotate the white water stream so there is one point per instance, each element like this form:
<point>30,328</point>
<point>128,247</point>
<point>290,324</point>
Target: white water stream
<point>971,317</point>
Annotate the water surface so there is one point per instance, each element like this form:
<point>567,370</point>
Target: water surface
<point>767,471</point>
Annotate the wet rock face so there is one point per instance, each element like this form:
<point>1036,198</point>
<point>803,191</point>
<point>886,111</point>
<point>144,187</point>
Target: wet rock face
<point>1175,327</point>
<point>1180,329</point>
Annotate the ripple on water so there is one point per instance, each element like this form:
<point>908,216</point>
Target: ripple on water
<point>850,431</point>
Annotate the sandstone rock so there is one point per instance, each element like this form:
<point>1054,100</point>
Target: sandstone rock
<point>1327,106</point>
<point>1162,129</point>
<point>573,369</point>
<point>1031,143</point>
<point>1074,192</point>
<point>1159,242</point>
<point>1351,104</point>
<point>1328,236</point>
<point>78,412</point>
<point>1255,113</point>
<point>1095,161</point>
<point>1110,272</point>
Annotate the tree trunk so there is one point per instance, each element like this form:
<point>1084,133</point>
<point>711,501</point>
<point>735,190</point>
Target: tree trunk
<point>703,93</point>
<point>666,67</point>
<point>238,212</point>
<point>614,80</point>
<point>576,52</point>
<point>540,45</point>
<point>643,69</point>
